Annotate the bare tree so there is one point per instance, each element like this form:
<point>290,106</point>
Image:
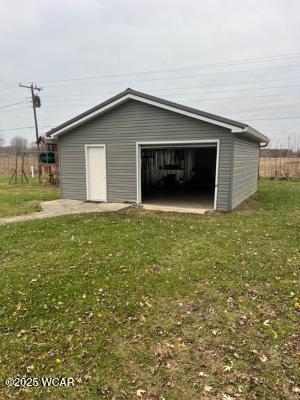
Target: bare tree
<point>18,144</point>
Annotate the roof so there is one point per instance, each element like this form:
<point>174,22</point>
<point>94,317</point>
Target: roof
<point>234,126</point>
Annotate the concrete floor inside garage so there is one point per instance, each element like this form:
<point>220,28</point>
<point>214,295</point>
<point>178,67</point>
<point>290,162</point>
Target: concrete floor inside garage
<point>179,179</point>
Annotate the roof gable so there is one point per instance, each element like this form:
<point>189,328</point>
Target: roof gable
<point>234,126</point>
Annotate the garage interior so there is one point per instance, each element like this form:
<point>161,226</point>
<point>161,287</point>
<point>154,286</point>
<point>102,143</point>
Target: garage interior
<point>181,177</point>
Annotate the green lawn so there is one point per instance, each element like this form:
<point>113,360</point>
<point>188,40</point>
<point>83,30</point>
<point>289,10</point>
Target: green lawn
<point>178,306</point>
<point>17,199</point>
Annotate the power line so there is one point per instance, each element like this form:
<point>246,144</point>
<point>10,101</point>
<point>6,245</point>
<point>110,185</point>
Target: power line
<point>271,58</point>
<point>177,77</point>
<point>226,84</point>
<point>270,119</point>
<point>88,102</point>
<point>182,88</point>
<point>166,70</point>
<point>14,109</point>
<point>23,127</point>
<point>242,89</point>
<point>191,93</point>
<point>242,119</point>
<point>250,97</point>
<point>12,104</point>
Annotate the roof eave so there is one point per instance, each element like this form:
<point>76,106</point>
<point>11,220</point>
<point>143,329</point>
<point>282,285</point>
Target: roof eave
<point>92,113</point>
<point>233,126</point>
<point>257,135</point>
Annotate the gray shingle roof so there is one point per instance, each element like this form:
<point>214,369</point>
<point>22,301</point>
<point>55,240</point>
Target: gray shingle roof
<point>195,111</point>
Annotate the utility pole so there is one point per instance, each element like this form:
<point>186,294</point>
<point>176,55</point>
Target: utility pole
<point>36,102</point>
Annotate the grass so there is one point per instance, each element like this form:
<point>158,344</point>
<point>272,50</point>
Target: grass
<point>151,305</point>
<point>17,199</point>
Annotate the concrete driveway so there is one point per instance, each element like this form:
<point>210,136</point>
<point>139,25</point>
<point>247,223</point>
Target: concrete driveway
<point>61,207</point>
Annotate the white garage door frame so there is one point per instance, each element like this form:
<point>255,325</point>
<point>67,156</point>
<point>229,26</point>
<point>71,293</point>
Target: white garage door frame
<point>86,147</point>
<point>139,146</point>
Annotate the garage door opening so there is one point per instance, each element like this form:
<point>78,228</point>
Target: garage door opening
<point>183,177</point>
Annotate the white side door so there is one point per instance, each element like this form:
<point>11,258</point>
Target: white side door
<point>95,172</point>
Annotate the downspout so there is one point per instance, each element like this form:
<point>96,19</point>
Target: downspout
<point>261,146</point>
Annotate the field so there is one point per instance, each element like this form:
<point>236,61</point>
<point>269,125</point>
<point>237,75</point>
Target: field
<point>144,305</point>
<point>17,199</point>
<point>280,167</point>
<point>8,163</point>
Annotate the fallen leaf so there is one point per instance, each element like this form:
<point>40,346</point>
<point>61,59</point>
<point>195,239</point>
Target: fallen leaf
<point>140,392</point>
<point>30,368</point>
<point>227,368</point>
<point>263,358</point>
<point>227,397</point>
<point>297,306</point>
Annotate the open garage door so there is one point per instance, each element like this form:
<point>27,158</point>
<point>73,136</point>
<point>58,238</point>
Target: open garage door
<point>182,176</point>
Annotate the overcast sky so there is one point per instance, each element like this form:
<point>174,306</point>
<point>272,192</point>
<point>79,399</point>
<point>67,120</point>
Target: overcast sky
<point>239,59</point>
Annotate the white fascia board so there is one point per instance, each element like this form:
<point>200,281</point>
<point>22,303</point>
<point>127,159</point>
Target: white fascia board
<point>257,134</point>
<point>254,133</point>
<point>151,102</point>
<point>186,113</point>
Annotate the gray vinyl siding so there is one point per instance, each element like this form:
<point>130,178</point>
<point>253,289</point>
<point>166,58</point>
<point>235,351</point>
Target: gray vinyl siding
<point>120,129</point>
<point>245,170</point>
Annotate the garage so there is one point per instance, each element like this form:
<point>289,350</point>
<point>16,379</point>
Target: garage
<point>151,152</point>
<point>179,175</point>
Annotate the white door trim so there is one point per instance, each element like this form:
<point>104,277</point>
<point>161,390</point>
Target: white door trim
<point>183,142</point>
<point>86,146</point>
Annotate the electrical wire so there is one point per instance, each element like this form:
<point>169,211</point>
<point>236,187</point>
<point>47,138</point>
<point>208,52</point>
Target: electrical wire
<point>23,127</point>
<point>167,70</point>
<point>175,77</point>
<point>270,119</point>
<point>14,109</point>
<point>180,94</point>
<point>88,103</point>
<point>272,58</point>
<point>12,104</point>
<point>242,119</point>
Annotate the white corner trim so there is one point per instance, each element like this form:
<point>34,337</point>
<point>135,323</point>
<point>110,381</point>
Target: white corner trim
<point>174,142</point>
<point>217,175</point>
<point>143,100</point>
<point>86,146</point>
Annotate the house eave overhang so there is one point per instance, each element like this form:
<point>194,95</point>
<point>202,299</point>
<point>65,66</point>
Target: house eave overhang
<point>252,133</point>
<point>233,126</point>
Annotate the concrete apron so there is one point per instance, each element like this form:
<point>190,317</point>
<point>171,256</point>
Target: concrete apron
<point>185,210</point>
<point>57,208</point>
<point>61,207</point>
